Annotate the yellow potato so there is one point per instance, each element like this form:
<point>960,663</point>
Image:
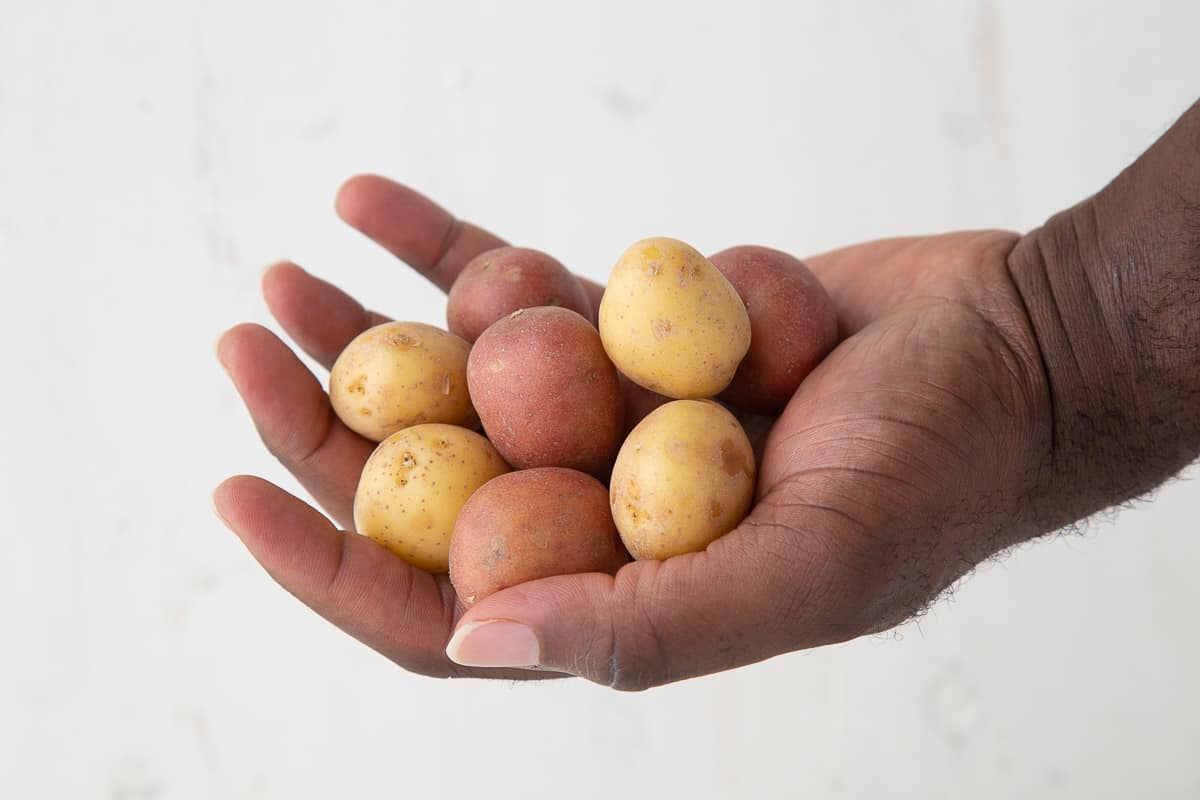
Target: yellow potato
<point>399,374</point>
<point>414,485</point>
<point>671,322</point>
<point>684,477</point>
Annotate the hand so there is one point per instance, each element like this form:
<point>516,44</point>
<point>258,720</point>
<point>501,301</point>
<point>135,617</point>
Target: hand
<point>901,463</point>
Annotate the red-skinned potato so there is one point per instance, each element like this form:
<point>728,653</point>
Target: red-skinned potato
<point>496,283</point>
<point>546,392</point>
<point>532,524</point>
<point>792,322</point>
<point>639,402</point>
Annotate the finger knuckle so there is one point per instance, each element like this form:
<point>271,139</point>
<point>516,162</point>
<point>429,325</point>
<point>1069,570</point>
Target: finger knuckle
<point>637,655</point>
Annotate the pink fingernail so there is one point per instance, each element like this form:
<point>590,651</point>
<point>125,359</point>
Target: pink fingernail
<point>494,643</point>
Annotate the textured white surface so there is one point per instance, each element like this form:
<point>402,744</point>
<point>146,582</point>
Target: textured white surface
<point>153,156</point>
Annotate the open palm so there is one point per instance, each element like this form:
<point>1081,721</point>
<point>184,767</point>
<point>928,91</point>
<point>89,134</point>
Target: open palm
<point>902,461</point>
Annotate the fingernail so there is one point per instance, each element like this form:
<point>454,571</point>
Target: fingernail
<point>494,643</point>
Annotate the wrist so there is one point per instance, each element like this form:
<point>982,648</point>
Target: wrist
<point>1112,290</point>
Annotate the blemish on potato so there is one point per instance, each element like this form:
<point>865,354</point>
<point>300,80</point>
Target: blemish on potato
<point>404,341</point>
<point>447,383</point>
<point>715,509</point>
<point>497,551</point>
<point>732,460</point>
<point>497,365</point>
<point>514,274</point>
<point>661,328</point>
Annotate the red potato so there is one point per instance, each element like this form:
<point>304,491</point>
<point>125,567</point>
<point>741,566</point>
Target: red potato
<point>496,283</point>
<point>532,524</point>
<point>792,322</point>
<point>545,391</point>
<point>639,402</point>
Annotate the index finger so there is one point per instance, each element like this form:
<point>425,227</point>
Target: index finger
<point>412,227</point>
<point>866,281</point>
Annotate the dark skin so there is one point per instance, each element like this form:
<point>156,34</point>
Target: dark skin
<point>988,388</point>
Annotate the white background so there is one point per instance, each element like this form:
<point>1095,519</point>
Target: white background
<point>154,156</point>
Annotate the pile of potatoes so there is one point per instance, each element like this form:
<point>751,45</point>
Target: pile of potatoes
<point>522,359</point>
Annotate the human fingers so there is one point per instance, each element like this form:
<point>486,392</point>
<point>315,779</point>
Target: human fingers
<point>404,613</point>
<point>419,232</point>
<point>292,414</point>
<point>320,318</point>
<point>412,227</point>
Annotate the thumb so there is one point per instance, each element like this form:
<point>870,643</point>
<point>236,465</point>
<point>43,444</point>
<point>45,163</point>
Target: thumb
<point>761,590</point>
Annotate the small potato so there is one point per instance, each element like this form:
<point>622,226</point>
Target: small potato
<point>639,402</point>
<point>792,322</point>
<point>671,322</point>
<point>532,524</point>
<point>547,394</point>
<point>496,283</point>
<point>684,477</point>
<point>399,374</point>
<point>414,485</point>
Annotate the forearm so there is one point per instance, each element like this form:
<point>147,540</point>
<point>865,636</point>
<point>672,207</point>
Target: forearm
<point>1112,290</point>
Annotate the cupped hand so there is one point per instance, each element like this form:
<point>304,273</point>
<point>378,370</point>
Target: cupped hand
<point>901,462</point>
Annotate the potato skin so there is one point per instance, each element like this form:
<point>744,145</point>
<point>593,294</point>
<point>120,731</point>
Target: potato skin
<point>684,477</point>
<point>639,401</point>
<point>546,392</point>
<point>399,374</point>
<point>496,283</point>
<point>671,322</point>
<point>414,485</point>
<point>532,524</point>
<point>792,322</point>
